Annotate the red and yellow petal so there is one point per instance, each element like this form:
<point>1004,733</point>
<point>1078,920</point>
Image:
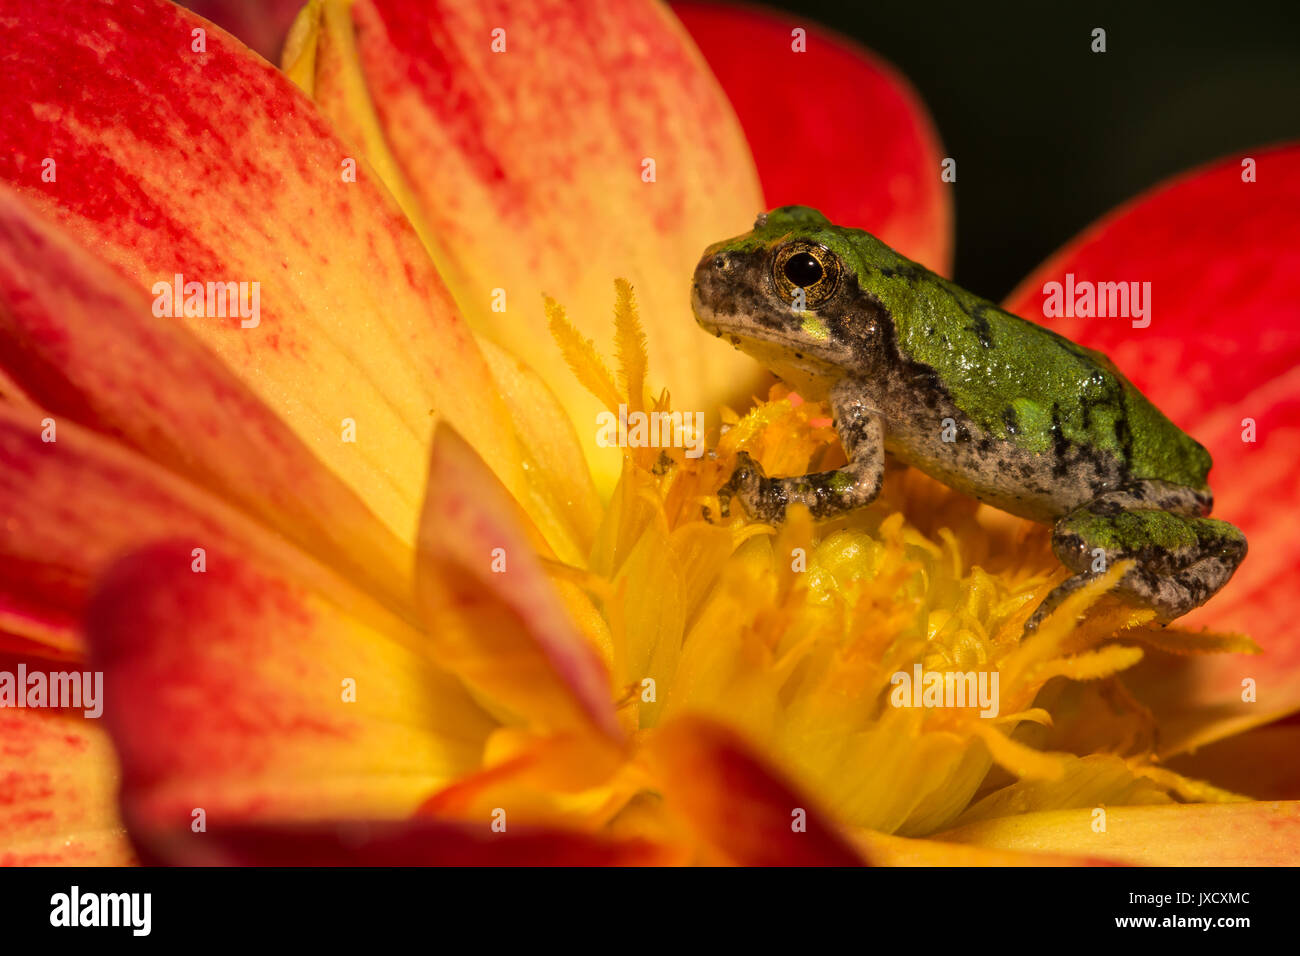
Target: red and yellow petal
<point>870,160</point>
<point>175,157</point>
<point>524,168</point>
<point>73,501</point>
<point>493,616</point>
<point>1193,834</point>
<point>723,793</point>
<point>1223,259</point>
<point>242,694</point>
<point>80,340</point>
<point>58,785</point>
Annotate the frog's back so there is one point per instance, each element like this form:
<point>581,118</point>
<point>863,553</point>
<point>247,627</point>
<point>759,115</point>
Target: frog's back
<point>1036,402</point>
<point>1022,383</point>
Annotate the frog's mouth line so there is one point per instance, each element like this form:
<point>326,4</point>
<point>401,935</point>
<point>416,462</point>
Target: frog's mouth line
<point>784,356</point>
<point>759,336</point>
<point>773,346</point>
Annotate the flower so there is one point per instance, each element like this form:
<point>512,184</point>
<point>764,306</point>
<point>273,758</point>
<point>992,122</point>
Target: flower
<point>444,628</point>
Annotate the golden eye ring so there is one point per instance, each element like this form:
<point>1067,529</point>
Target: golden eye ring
<point>808,266</point>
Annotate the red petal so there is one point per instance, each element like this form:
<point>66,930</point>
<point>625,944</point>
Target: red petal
<point>1223,260</point>
<point>833,127</point>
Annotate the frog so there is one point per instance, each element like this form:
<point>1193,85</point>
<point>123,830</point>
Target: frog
<point>919,371</point>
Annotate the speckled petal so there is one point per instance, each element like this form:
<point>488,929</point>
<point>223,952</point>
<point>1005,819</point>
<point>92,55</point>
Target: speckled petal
<point>81,341</point>
<point>58,780</point>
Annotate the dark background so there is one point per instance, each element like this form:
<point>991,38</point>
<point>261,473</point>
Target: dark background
<point>1049,136</point>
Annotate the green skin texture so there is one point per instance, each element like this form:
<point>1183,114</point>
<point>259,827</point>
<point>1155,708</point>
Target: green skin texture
<point>989,403</point>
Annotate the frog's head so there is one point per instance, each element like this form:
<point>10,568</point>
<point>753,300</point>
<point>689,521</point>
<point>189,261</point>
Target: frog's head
<point>787,293</point>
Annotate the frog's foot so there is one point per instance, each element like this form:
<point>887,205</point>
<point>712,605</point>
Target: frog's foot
<point>1180,559</point>
<point>825,494</point>
<point>761,496</point>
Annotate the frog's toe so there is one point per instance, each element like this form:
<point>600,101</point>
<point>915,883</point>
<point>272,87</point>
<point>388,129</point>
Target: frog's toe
<point>747,473</point>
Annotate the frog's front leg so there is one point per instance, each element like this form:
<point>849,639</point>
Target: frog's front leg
<point>825,493</point>
<point>1181,558</point>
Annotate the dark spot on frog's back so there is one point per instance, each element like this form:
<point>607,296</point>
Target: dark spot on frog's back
<point>979,325</point>
<point>1011,421</point>
<point>1124,436</point>
<point>1060,444</point>
<point>906,270</point>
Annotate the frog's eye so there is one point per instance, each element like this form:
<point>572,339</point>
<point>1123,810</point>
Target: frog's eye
<point>807,266</point>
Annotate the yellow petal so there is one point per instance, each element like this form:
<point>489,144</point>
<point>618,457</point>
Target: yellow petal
<point>885,849</point>
<point>1232,834</point>
<point>1097,780</point>
<point>562,498</point>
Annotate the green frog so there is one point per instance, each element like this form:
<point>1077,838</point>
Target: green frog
<point>994,406</point>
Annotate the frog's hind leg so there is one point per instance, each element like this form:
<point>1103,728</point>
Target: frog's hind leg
<point>1181,557</point>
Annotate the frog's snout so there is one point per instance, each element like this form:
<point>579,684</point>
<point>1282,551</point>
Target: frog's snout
<point>713,274</point>
<point>727,291</point>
